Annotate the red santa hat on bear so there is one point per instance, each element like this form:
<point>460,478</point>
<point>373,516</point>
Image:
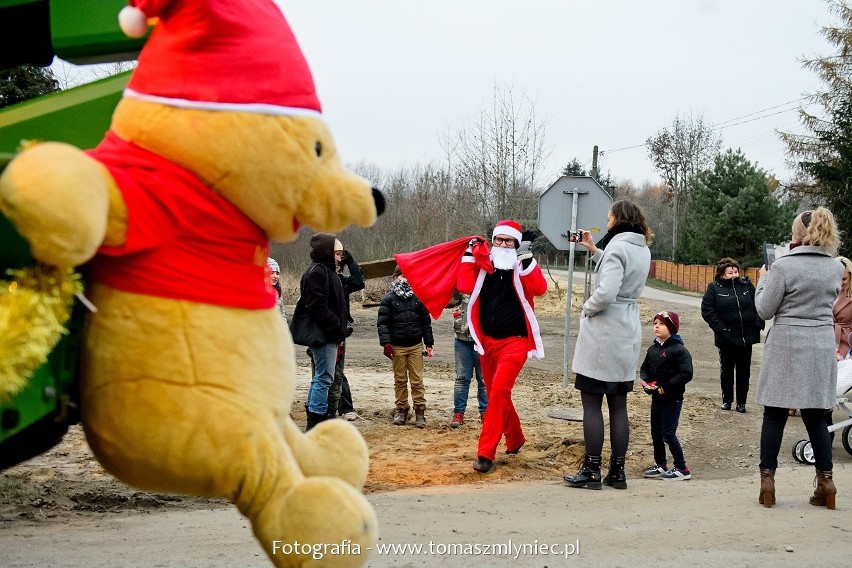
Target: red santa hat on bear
<point>510,228</point>
<point>219,55</point>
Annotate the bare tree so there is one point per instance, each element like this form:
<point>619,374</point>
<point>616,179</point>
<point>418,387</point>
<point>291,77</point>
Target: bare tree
<point>500,158</point>
<point>679,152</point>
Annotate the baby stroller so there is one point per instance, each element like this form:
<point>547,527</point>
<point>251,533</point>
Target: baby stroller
<point>803,452</point>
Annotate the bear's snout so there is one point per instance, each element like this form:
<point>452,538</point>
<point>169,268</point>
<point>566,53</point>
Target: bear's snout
<point>379,199</point>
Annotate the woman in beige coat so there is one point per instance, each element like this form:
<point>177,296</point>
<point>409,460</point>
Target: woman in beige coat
<point>799,367</point>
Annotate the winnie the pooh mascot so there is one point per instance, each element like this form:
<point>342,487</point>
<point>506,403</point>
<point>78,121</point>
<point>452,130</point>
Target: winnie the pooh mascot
<point>187,373</point>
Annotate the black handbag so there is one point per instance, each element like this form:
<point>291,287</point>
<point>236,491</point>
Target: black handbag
<point>303,329</point>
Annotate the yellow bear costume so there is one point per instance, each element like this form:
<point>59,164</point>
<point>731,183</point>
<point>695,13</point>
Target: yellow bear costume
<point>187,377</point>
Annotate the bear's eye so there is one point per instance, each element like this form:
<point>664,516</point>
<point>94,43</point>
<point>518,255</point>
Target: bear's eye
<point>318,149</point>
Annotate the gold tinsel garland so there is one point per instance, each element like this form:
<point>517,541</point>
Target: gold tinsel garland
<point>35,305</point>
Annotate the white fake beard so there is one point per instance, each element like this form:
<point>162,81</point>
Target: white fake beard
<point>504,258</point>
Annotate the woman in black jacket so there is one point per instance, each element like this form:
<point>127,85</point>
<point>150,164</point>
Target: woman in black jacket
<point>728,308</point>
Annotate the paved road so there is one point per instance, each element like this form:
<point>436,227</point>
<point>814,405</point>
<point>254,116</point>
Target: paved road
<point>648,294</point>
<point>698,523</point>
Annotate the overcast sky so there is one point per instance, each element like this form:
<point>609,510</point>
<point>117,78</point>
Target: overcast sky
<point>393,74</point>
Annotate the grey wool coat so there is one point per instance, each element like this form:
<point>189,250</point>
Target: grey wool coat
<point>799,367</point>
<point>610,337</point>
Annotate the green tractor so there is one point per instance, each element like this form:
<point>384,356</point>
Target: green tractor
<point>34,418</point>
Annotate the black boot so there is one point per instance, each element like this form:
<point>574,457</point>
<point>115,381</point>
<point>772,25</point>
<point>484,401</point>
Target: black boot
<point>589,475</point>
<point>616,478</point>
<point>313,418</point>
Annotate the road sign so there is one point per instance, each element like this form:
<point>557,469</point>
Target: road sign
<point>556,206</point>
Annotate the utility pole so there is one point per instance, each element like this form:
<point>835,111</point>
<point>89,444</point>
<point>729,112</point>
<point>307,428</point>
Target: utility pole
<point>595,163</point>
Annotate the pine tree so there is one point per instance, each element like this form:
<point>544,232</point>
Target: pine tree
<point>25,82</point>
<point>824,153</point>
<point>733,212</point>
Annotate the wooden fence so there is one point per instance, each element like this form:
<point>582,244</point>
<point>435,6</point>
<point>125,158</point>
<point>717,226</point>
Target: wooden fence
<point>690,276</point>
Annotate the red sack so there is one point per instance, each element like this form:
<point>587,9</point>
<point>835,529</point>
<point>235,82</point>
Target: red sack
<point>432,272</point>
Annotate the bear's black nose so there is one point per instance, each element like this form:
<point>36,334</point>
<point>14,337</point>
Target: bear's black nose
<point>379,198</point>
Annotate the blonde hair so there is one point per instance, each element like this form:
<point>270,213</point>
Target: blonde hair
<point>846,289</point>
<point>817,228</point>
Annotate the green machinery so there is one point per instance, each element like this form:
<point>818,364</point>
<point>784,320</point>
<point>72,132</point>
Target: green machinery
<point>33,32</point>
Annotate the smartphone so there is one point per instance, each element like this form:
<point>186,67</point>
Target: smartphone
<point>768,254</point>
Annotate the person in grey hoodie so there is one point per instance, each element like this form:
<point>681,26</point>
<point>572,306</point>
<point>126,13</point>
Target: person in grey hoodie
<point>610,340</point>
<point>799,367</point>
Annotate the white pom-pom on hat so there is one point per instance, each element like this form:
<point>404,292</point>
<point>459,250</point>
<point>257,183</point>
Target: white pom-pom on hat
<point>132,21</point>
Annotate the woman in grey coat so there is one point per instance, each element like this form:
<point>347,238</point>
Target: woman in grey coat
<point>610,339</point>
<point>799,366</point>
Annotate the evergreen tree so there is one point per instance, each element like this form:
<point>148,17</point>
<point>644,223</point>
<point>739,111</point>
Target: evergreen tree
<point>824,153</point>
<point>733,212</point>
<point>25,82</point>
<point>574,168</point>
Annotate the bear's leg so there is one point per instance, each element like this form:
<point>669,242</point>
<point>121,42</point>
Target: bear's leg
<point>320,521</point>
<point>333,448</point>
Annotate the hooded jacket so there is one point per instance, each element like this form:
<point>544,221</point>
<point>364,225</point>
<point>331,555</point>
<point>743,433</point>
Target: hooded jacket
<point>322,290</point>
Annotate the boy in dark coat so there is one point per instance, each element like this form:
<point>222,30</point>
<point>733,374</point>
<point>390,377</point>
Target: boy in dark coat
<point>664,374</point>
<point>405,326</point>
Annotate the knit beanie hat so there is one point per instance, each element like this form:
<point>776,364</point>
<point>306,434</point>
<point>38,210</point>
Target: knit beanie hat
<point>338,246</point>
<point>273,266</point>
<point>671,319</point>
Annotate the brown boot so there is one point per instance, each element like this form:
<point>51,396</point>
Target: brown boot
<point>400,417</point>
<point>825,490</point>
<point>420,418</point>
<point>767,487</point>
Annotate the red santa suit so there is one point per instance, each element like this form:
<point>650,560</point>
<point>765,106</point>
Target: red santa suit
<point>433,274</point>
<point>502,358</point>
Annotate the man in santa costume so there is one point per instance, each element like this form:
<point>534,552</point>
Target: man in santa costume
<point>500,316</point>
<point>504,328</point>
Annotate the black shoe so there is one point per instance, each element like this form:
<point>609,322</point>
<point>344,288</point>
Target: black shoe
<point>725,406</point>
<point>740,408</point>
<point>516,451</point>
<point>616,477</point>
<point>482,465</point>
<point>585,478</point>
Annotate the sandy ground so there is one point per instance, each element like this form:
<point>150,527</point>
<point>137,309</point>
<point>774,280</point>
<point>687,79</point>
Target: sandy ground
<point>61,509</point>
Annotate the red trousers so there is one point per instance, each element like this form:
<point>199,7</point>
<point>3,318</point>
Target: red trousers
<point>501,364</point>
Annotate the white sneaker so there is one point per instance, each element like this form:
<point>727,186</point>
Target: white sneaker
<point>350,416</point>
<point>654,471</point>
<point>677,474</point>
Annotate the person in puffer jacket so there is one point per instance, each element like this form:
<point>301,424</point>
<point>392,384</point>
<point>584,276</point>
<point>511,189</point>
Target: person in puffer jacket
<point>405,326</point>
<point>728,308</point>
<point>664,373</point>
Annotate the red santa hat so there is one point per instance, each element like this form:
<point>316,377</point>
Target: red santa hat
<point>219,55</point>
<point>508,227</point>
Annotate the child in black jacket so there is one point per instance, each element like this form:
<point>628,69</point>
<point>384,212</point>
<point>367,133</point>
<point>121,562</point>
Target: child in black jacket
<point>405,326</point>
<point>664,374</point>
